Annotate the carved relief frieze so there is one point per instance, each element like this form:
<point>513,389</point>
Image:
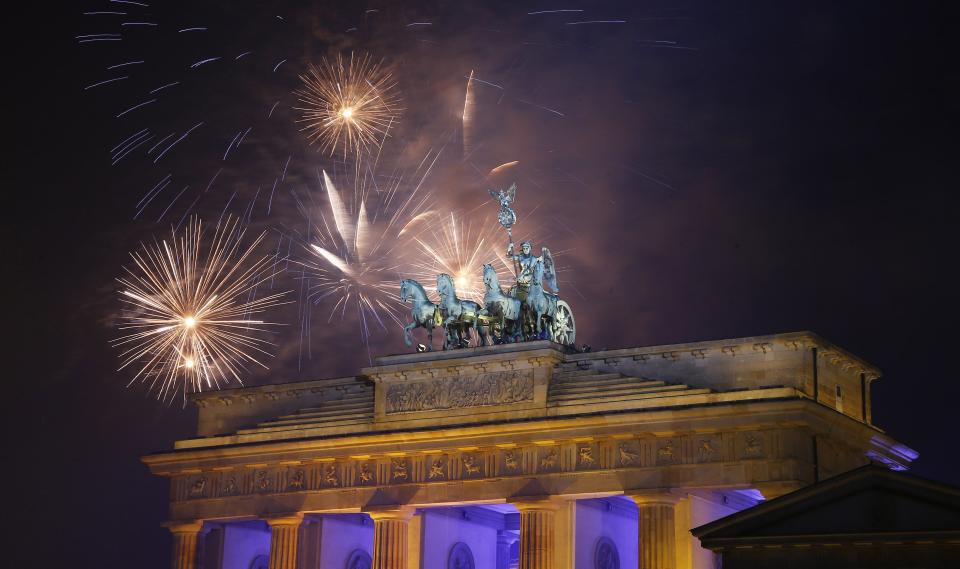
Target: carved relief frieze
<point>511,461</point>
<point>399,471</point>
<point>470,466</point>
<point>330,476</point>
<point>199,487</point>
<point>707,449</point>
<point>586,457</point>
<point>296,480</point>
<point>365,474</point>
<point>641,450</point>
<point>628,455</point>
<point>438,468</point>
<point>666,452</point>
<point>549,460</point>
<point>753,445</point>
<point>497,388</point>
<point>230,485</point>
<point>262,481</point>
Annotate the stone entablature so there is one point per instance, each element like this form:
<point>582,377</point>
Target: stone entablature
<point>598,457</point>
<point>543,457</point>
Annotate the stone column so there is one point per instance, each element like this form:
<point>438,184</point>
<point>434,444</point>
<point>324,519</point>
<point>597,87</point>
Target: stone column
<point>184,544</point>
<point>390,540</point>
<point>537,533</point>
<point>657,540</point>
<point>284,537</point>
<point>415,542</point>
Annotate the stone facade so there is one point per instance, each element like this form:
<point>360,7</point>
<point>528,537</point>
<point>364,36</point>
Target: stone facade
<point>535,426</point>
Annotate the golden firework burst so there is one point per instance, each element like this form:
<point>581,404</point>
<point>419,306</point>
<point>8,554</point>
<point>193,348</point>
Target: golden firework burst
<point>347,104</point>
<point>190,310</point>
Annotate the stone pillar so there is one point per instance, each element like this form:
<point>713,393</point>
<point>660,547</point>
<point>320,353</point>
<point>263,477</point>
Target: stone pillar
<point>537,533</point>
<point>390,539</point>
<point>284,537</point>
<point>415,542</point>
<point>185,537</point>
<point>658,540</point>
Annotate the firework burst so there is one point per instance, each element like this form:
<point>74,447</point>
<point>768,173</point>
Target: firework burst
<point>190,320</point>
<point>460,248</point>
<point>357,248</point>
<point>347,104</point>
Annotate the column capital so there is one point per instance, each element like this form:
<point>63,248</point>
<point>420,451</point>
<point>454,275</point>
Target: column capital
<point>537,503</point>
<point>661,496</point>
<point>388,513</point>
<point>190,526</point>
<point>284,520</point>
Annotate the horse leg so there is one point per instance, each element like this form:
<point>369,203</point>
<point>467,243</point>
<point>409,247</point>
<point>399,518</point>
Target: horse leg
<point>406,333</point>
<point>430,339</point>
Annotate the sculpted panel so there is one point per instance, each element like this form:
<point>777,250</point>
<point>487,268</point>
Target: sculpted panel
<point>499,388</point>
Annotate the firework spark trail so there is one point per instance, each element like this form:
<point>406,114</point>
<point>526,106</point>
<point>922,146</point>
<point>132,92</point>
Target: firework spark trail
<point>469,113</point>
<point>347,105</point>
<point>189,327</point>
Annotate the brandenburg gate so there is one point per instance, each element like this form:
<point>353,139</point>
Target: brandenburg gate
<point>524,455</point>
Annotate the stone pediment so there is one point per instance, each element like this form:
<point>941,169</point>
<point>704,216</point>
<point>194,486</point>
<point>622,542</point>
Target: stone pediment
<point>870,501</point>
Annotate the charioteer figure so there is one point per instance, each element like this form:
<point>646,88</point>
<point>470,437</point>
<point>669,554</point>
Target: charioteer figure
<point>525,262</point>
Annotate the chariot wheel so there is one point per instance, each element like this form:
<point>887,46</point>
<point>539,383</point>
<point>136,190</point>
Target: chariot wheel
<point>563,329</point>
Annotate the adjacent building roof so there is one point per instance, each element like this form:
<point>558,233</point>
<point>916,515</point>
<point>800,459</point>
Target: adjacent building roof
<point>865,506</point>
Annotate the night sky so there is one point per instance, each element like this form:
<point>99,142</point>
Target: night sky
<point>706,170</point>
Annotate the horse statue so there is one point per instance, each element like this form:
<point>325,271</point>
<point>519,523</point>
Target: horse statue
<point>460,315</point>
<point>425,314</point>
<point>501,306</point>
<point>540,304</point>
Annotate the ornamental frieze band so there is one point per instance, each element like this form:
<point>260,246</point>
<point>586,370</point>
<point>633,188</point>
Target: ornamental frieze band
<point>498,388</point>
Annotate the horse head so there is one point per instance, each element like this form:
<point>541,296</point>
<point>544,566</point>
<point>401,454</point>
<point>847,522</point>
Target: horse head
<point>490,277</point>
<point>411,290</point>
<point>445,285</point>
